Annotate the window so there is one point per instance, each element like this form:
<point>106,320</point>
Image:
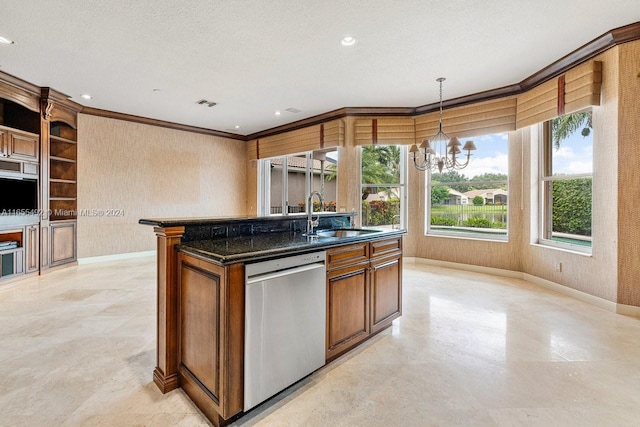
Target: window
<point>472,202</point>
<point>383,186</point>
<point>566,181</point>
<point>286,182</point>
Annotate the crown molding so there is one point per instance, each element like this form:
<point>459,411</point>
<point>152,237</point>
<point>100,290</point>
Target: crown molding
<point>161,123</point>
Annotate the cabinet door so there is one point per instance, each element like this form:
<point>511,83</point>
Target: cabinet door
<point>31,249</point>
<point>386,291</point>
<point>347,308</point>
<point>211,335</point>
<point>23,146</point>
<point>4,145</point>
<point>63,242</point>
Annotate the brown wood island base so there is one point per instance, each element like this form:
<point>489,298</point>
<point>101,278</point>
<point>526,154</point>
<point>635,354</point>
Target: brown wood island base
<point>201,310</point>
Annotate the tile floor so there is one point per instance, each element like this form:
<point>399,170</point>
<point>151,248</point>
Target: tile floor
<point>77,348</point>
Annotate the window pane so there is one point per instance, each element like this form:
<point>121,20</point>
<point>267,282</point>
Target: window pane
<point>474,201</point>
<point>566,185</point>
<point>572,211</point>
<point>383,198</point>
<point>325,174</point>
<point>296,183</point>
<point>381,164</point>
<point>381,206</point>
<point>276,185</point>
<point>572,144</point>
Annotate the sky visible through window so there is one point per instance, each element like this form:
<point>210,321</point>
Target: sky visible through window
<point>575,155</point>
<point>491,155</point>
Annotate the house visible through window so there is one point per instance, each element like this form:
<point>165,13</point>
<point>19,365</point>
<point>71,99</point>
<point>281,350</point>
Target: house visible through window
<point>286,182</point>
<point>383,186</point>
<point>472,202</point>
<point>566,182</point>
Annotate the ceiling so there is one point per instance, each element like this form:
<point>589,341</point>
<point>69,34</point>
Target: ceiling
<point>156,58</point>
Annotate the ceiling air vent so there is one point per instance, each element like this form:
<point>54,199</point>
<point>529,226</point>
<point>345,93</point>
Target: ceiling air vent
<point>293,110</point>
<point>205,102</point>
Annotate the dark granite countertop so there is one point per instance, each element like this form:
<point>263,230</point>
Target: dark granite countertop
<point>270,245</point>
<point>176,222</point>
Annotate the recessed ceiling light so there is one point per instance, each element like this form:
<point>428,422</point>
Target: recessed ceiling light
<point>348,41</point>
<point>5,40</point>
<point>277,113</point>
<point>86,96</point>
<point>236,127</point>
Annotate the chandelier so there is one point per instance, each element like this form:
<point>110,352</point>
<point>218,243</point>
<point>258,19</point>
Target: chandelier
<point>441,152</point>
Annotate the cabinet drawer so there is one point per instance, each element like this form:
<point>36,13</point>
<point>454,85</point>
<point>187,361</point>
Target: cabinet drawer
<point>386,247</point>
<point>345,255</point>
<point>23,146</point>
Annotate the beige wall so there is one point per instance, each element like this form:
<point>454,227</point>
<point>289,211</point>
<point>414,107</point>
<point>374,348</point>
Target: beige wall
<point>151,172</point>
<point>629,175</point>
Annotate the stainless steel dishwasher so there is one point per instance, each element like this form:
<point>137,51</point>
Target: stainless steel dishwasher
<point>285,312</point>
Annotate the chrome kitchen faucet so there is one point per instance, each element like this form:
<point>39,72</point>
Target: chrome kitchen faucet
<point>310,222</point>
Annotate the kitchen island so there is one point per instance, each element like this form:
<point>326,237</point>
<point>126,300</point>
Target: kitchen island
<point>203,305</point>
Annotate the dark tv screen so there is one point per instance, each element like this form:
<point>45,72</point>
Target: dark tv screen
<point>18,195</point>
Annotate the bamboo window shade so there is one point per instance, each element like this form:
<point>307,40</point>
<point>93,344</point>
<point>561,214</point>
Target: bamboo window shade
<point>385,131</point>
<point>332,134</point>
<point>538,104</point>
<point>252,149</point>
<point>310,138</point>
<point>483,118</point>
<point>578,88</point>
<point>582,86</point>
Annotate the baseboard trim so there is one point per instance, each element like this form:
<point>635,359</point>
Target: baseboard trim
<point>574,293</point>
<point>628,310</point>
<point>103,258</point>
<point>623,309</point>
<point>469,267</point>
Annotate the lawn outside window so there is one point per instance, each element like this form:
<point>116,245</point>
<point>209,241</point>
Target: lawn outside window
<point>566,179</point>
<point>472,202</point>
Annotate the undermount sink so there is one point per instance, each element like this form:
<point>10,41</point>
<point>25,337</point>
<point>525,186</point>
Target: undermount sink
<point>345,232</point>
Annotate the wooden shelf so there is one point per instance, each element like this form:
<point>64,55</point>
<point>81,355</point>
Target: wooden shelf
<point>63,181</point>
<point>61,139</point>
<point>61,159</point>
<point>62,198</point>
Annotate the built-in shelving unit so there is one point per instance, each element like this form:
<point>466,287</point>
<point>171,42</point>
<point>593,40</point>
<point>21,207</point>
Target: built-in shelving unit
<point>63,172</point>
<point>38,177</point>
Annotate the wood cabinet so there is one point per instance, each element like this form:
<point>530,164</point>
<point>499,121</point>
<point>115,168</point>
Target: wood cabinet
<point>38,142</point>
<point>347,297</point>
<point>63,242</point>
<point>201,315</point>
<point>211,335</point>
<point>364,292</point>
<point>18,145</point>
<point>12,258</point>
<point>32,248</point>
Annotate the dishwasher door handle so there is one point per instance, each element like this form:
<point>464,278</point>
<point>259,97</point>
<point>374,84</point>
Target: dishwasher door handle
<point>276,274</point>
